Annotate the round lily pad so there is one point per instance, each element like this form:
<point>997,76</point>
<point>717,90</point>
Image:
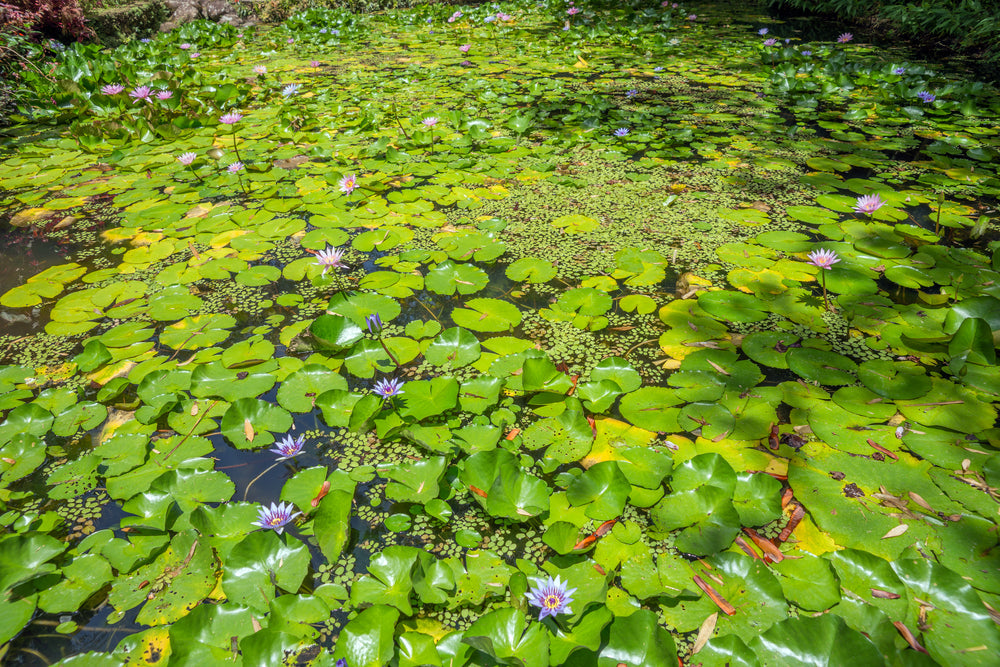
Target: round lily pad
<point>733,306</point>
<point>823,366</point>
<point>769,347</point>
<point>894,379</point>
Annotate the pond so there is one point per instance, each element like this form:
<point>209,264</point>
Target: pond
<point>532,334</point>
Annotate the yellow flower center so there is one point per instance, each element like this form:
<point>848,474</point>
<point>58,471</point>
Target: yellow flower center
<point>276,521</point>
<point>551,601</point>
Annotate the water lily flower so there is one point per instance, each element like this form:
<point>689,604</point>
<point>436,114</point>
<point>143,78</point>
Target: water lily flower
<point>235,167</point>
<point>631,93</point>
<point>330,258</point>
<point>141,93</point>
<point>504,17</point>
<point>291,40</point>
<point>348,184</point>
<point>465,48</point>
<point>195,54</point>
<point>845,38</point>
<point>899,70</point>
<point>762,31</point>
<point>770,42</point>
<point>374,323</point>
<point>164,94</point>
<point>926,97</point>
<point>145,40</point>
<point>388,387</point>
<point>551,596</point>
<point>289,447</point>
<point>187,158</point>
<point>823,259</point>
<point>113,89</point>
<point>340,663</point>
<point>572,11</point>
<point>430,121</point>
<point>621,132</point>
<point>807,53</point>
<point>231,118</point>
<point>276,517</point>
<point>693,17</point>
<point>260,69</point>
<point>674,41</point>
<point>185,46</point>
<point>868,204</point>
<point>314,63</point>
<point>290,90</point>
<point>657,69</point>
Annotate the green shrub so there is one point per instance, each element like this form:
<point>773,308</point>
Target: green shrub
<point>116,24</point>
<point>972,25</point>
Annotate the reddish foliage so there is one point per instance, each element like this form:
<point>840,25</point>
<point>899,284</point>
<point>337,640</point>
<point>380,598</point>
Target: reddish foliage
<point>58,19</point>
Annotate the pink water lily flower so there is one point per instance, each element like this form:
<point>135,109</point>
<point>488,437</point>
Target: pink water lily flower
<point>868,204</point>
<point>348,184</point>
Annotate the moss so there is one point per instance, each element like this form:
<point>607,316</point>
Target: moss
<point>114,25</point>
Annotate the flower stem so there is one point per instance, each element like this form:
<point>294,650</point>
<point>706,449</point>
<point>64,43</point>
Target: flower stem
<point>247,490</point>
<point>392,358</point>
<point>235,147</point>
<point>822,275</point>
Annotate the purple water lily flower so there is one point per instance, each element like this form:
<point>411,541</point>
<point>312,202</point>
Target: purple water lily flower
<point>187,159</point>
<point>899,70</point>
<point>185,46</point>
<point>552,596</point>
<point>621,132</point>
<point>289,447</point>
<point>235,167</point>
<point>231,118</point>
<point>374,323</point>
<point>770,42</point>
<point>290,90</point>
<point>844,38</point>
<point>762,31</point>
<point>388,387</point>
<point>631,93</point>
<point>330,258</point>
<point>465,48</point>
<point>807,53</point>
<point>823,259</point>
<point>430,121</point>
<point>276,517</point>
<point>926,97</point>
<point>164,94</point>
<point>113,89</point>
<point>868,204</point>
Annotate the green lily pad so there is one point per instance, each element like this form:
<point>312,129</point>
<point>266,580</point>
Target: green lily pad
<point>454,347</point>
<point>532,270</point>
<point>821,366</point>
<point>252,423</point>
<point>489,315</point>
<point>733,306</point>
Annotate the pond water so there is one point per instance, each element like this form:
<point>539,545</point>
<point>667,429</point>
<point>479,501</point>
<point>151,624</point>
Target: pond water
<point>701,323</point>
